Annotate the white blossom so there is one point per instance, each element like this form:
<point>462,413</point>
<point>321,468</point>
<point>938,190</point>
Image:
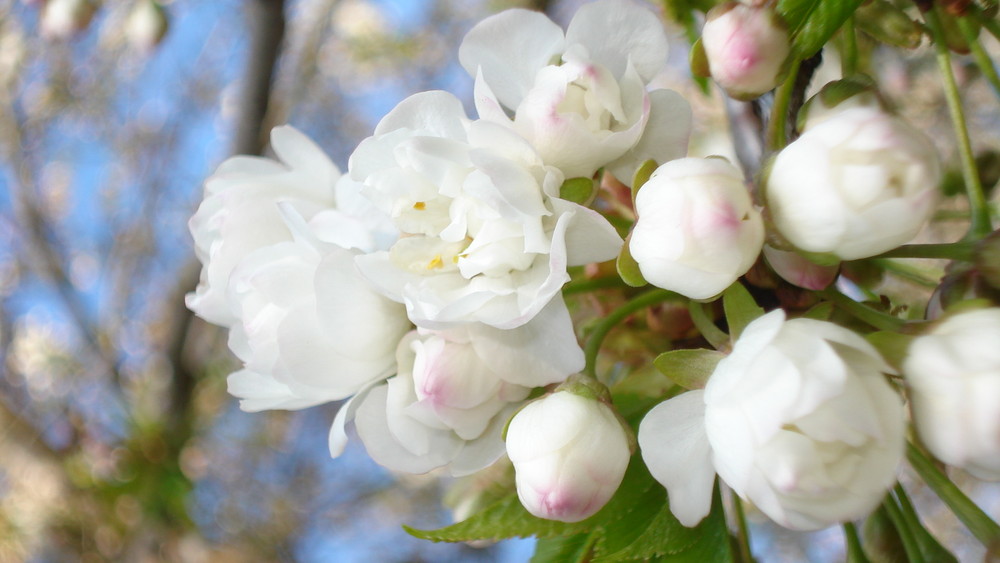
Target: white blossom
<point>858,183</point>
<point>455,390</point>
<point>697,231</point>
<point>484,236</point>
<point>953,373</point>
<point>798,419</point>
<point>240,212</point>
<point>580,98</point>
<point>569,453</point>
<point>308,328</point>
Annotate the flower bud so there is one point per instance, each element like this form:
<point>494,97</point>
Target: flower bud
<point>569,454</point>
<point>746,47</point>
<point>856,184</point>
<point>146,25</point>
<point>697,229</point>
<point>798,270</point>
<point>954,377</point>
<point>61,19</point>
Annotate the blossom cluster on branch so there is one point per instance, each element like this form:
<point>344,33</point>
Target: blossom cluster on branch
<point>428,284</point>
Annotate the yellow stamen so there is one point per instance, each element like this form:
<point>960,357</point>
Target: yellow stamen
<point>420,206</point>
<point>435,263</point>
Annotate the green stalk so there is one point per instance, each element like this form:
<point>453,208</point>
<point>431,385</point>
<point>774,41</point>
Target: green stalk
<point>586,286</point>
<point>979,54</point>
<point>601,330</point>
<point>854,552</point>
<point>913,554</point>
<point>979,524</point>
<point>964,251</point>
<point>706,326</point>
<point>743,533</point>
<point>908,273</point>
<point>849,58</point>
<point>875,318</point>
<point>929,546</point>
<point>980,225</point>
<point>777,136</point>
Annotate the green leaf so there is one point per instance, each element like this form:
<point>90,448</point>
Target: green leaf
<point>740,307</point>
<point>811,23</point>
<point>578,190</point>
<point>892,346</point>
<point>889,24</point>
<point>688,368</point>
<point>641,176</point>
<point>508,519</point>
<point>628,268</point>
<point>572,549</point>
<point>665,539</point>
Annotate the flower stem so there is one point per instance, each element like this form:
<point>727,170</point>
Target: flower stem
<point>983,61</point>
<point>908,273</point>
<point>849,58</point>
<point>913,554</point>
<point>980,226</point>
<point>777,128</point>
<point>586,286</point>
<point>743,533</point>
<point>946,251</point>
<point>979,524</point>
<point>928,544</point>
<point>854,552</point>
<point>875,318</point>
<point>602,328</point>
<point>706,326</point>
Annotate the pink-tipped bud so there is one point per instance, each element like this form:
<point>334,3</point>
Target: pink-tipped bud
<point>799,271</point>
<point>746,47</point>
<point>569,454</point>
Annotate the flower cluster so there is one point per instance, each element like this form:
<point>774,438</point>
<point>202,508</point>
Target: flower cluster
<point>427,286</point>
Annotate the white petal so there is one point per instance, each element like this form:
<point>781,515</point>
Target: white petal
<point>543,351</point>
<point>300,152</point>
<point>258,392</point>
<point>617,31</point>
<point>675,448</point>
<point>434,113</point>
<point>509,48</point>
<point>665,137</point>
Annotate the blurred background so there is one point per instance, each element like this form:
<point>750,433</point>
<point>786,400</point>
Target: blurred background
<point>118,440</point>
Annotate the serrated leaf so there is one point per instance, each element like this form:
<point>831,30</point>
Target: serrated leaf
<point>688,368</point>
<point>740,307</point>
<point>665,539</point>
<point>572,549</point>
<point>578,190</point>
<point>641,176</point>
<point>891,345</point>
<point>628,268</point>
<point>811,23</point>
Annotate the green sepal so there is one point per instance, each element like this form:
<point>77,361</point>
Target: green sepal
<point>740,307</point>
<point>641,176</point>
<point>579,190</point>
<point>628,268</point>
<point>812,23</point>
<point>886,22</point>
<point>821,311</point>
<point>881,538</point>
<point>689,368</point>
<point>699,60</point>
<point>891,345</point>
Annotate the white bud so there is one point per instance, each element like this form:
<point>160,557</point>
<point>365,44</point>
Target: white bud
<point>954,377</point>
<point>569,454</point>
<point>746,47</point>
<point>857,184</point>
<point>698,230</point>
